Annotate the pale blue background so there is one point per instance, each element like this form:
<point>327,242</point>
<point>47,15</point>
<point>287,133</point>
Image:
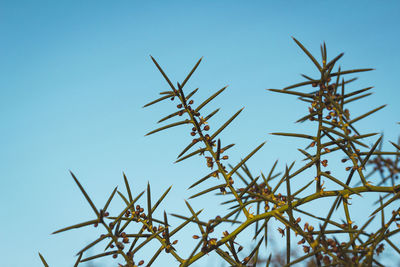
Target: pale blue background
<point>75,75</point>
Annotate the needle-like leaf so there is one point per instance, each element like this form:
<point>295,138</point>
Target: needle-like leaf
<point>157,100</point>
<point>208,190</point>
<point>291,93</point>
<point>350,71</point>
<point>333,61</point>
<point>86,195</point>
<point>149,209</point>
<point>296,135</point>
<point>169,126</point>
<point>244,160</point>
<point>225,124</point>
<point>110,198</point>
<point>202,179</point>
<point>79,225</point>
<point>43,260</point>
<point>191,72</point>
<point>128,189</point>
<point>308,54</point>
<point>366,114</point>
<point>205,102</point>
<point>163,74</point>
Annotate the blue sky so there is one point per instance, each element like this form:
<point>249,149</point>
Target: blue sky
<point>75,75</point>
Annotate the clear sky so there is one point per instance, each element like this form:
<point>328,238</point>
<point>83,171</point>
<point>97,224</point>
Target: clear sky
<point>75,75</point>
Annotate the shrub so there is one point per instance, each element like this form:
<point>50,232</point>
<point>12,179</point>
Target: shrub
<point>325,239</point>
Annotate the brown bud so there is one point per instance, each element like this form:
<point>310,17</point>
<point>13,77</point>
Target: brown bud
<point>324,163</point>
<point>281,231</point>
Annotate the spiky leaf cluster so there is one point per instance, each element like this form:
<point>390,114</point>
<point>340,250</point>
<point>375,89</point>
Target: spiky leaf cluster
<point>325,239</point>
